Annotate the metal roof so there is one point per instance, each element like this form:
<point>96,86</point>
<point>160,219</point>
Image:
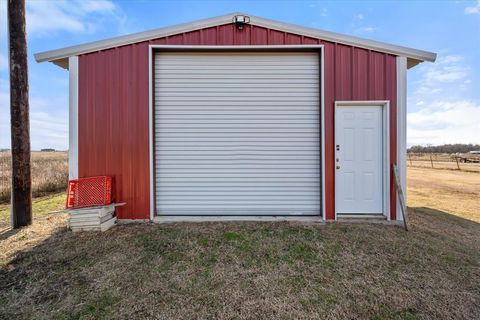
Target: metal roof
<point>60,56</point>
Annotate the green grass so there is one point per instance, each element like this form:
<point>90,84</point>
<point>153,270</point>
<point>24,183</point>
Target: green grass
<point>242,270</point>
<point>98,308</point>
<point>40,207</point>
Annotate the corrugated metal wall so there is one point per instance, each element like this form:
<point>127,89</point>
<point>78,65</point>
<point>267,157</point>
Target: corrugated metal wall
<point>113,104</point>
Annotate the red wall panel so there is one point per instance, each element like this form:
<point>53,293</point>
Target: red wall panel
<point>113,105</point>
<point>360,73</point>
<point>259,36</point>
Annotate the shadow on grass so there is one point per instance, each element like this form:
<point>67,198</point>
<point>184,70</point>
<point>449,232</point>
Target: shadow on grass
<point>270,270</point>
<point>8,232</point>
<point>444,216</point>
<point>433,218</point>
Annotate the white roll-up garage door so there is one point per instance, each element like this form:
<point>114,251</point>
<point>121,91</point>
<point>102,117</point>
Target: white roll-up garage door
<point>237,133</point>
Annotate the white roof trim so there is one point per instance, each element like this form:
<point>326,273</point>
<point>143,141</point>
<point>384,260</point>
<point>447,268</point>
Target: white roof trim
<point>63,53</point>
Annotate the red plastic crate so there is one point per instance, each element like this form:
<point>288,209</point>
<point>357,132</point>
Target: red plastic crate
<point>89,192</point>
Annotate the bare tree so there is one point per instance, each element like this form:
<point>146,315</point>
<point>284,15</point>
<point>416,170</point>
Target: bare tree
<point>21,213</point>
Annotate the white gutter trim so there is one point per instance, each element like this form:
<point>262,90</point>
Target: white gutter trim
<point>73,118</point>
<point>150,133</point>
<point>132,38</point>
<point>322,129</point>
<point>225,19</point>
<point>345,39</point>
<point>402,128</point>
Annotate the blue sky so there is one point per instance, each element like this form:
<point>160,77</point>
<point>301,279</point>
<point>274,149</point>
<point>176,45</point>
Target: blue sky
<point>443,98</point>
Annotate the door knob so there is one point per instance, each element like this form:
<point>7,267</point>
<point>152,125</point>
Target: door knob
<point>338,167</point>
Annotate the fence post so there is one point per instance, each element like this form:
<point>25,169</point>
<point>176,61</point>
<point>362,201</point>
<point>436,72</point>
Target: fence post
<point>431,160</point>
<point>456,159</point>
<point>410,159</point>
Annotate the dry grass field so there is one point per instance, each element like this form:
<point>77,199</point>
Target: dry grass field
<point>49,173</point>
<point>253,270</point>
<point>452,191</point>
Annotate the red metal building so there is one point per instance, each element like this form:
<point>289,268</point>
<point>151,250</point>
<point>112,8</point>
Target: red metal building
<point>240,116</point>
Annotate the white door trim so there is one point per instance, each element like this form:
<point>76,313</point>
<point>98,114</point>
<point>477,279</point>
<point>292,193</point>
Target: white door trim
<point>73,117</point>
<point>273,48</point>
<point>402,128</point>
<point>385,104</point>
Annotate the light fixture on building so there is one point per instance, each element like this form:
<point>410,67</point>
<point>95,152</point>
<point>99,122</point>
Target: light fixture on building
<point>240,21</point>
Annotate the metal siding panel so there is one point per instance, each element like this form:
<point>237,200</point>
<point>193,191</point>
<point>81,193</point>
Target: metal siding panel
<point>259,36</point>
<point>91,115</point>
<point>276,37</point>
<point>101,112</point>
<point>360,74</point>
<point>209,36</point>
<point>176,39</point>
<point>366,65</point>
<point>192,38</point>
<point>158,41</point>
<point>113,123</point>
<point>376,76</point>
<point>391,94</point>
<point>109,111</point>
<point>242,37</point>
<point>343,73</point>
<point>329,104</point>
<point>237,159</point>
<point>293,39</point>
<point>308,40</point>
<point>225,34</point>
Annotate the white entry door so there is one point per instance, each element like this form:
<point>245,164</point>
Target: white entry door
<point>358,160</point>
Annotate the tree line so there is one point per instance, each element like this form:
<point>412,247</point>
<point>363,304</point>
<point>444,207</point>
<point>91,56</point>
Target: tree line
<point>445,148</point>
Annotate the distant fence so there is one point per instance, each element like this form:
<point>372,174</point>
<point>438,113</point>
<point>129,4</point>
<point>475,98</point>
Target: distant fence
<point>441,161</point>
<point>49,173</point>
<point>50,169</point>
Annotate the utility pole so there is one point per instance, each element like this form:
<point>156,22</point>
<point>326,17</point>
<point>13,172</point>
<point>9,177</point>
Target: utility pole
<point>21,210</point>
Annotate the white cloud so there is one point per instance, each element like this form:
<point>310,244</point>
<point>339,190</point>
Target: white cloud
<point>48,128</point>
<point>358,16</point>
<point>359,25</point>
<point>447,69</point>
<point>48,131</point>
<point>97,5</point>
<point>45,17</point>
<point>365,29</point>
<point>316,6</point>
<point>442,76</point>
<point>442,112</point>
<point>445,122</point>
<point>475,9</point>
